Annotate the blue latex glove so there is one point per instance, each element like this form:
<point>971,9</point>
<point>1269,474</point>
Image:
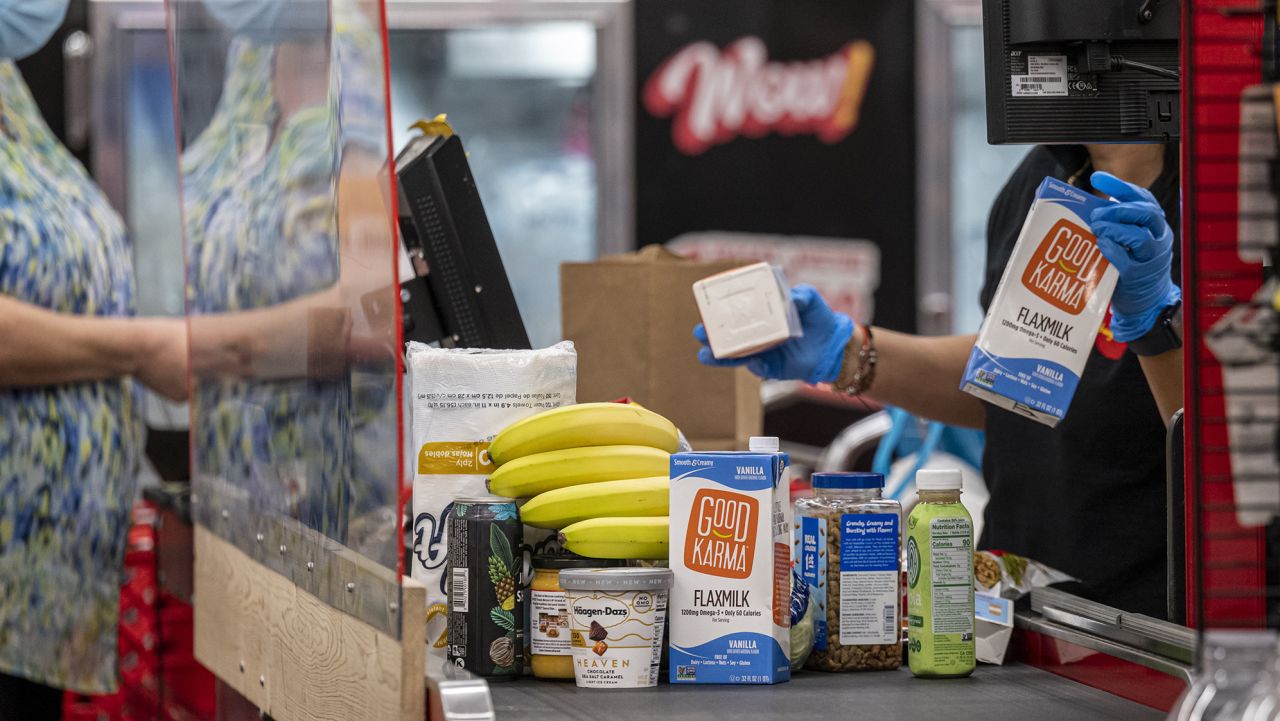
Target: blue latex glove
<point>1134,237</point>
<point>814,358</point>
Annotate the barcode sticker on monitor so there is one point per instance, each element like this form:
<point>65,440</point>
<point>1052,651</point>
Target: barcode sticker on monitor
<point>458,589</point>
<point>1046,76</point>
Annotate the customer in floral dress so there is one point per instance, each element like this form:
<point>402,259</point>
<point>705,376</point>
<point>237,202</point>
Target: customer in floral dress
<point>70,417</point>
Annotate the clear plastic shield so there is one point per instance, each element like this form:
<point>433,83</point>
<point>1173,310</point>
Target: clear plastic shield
<point>292,289</point>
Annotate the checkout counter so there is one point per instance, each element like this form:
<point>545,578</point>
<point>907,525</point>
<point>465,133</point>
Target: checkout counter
<point>991,694</point>
<point>1150,659</point>
<point>1066,651</point>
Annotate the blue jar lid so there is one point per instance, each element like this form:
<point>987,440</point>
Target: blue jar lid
<point>848,481</point>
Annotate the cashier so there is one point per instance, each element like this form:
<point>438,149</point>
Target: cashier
<point>1087,496</point>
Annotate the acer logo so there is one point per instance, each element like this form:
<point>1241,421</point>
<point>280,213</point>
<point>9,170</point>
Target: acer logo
<point>714,97</point>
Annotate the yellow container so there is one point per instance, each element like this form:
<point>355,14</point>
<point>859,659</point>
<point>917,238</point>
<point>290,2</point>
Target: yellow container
<point>552,656</point>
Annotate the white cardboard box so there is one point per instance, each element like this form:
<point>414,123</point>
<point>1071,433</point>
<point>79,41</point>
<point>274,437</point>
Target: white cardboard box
<point>1040,329</point>
<point>994,627</point>
<point>746,310</point>
<point>729,611</point>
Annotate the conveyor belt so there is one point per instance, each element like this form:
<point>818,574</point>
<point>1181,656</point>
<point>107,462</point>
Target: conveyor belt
<point>991,694</point>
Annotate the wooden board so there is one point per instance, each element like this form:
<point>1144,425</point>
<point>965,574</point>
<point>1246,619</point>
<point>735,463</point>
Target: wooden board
<point>295,657</point>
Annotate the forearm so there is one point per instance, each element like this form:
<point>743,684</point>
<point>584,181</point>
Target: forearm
<point>41,347</point>
<point>304,337</point>
<point>922,375</point>
<point>1164,376</point>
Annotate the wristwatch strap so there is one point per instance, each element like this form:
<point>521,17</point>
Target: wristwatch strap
<point>1163,337</point>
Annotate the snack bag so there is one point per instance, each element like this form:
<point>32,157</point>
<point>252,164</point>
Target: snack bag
<point>997,573</point>
<point>804,613</point>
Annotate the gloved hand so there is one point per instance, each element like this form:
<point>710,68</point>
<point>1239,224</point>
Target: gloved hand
<point>814,358</point>
<point>1134,236</point>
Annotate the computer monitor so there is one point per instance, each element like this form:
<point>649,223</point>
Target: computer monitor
<point>458,294</point>
<point>1081,71</point>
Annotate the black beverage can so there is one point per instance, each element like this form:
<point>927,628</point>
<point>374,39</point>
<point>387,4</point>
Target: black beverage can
<point>486,600</point>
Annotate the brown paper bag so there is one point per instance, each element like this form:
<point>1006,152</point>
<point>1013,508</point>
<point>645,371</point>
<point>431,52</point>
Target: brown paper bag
<point>631,317</point>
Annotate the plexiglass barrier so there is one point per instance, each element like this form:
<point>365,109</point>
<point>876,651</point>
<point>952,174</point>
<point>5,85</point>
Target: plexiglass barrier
<point>292,290</point>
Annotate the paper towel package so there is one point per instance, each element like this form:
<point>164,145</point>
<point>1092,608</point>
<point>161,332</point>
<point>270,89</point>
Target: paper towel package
<point>461,398</point>
<point>1046,312</point>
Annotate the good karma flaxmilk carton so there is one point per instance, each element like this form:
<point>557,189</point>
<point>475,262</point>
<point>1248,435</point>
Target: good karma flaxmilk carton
<point>1046,312</point>
<point>730,606</point>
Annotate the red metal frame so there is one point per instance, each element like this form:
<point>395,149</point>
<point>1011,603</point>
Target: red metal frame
<point>403,480</point>
<point>1098,670</point>
<point>1226,573</point>
<point>1221,56</point>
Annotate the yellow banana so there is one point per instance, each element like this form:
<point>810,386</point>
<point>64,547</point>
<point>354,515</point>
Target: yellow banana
<point>629,538</point>
<point>585,424</point>
<point>565,506</point>
<point>527,477</point>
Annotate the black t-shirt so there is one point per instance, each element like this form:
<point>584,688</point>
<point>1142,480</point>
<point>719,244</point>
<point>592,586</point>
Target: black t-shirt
<point>1086,497</point>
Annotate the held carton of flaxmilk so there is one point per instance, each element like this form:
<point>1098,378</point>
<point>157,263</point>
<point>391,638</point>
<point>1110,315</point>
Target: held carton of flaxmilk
<point>730,605</point>
<point>1046,312</point>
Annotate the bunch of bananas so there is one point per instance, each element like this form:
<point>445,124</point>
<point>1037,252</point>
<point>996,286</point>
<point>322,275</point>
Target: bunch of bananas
<point>595,472</point>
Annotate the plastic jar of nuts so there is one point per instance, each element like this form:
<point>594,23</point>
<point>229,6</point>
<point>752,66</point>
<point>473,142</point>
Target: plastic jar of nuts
<point>847,541</point>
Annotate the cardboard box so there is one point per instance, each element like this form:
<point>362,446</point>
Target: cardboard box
<point>632,317</point>
<point>994,627</point>
<point>729,609</point>
<point>746,310</point>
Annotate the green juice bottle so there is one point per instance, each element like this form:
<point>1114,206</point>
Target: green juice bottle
<point>940,579</point>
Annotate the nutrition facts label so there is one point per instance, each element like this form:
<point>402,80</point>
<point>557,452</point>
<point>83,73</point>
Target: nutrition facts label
<point>869,577</point>
<point>951,573</point>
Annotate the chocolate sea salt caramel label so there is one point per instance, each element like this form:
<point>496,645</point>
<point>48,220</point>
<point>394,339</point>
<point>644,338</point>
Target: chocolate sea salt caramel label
<point>617,637</point>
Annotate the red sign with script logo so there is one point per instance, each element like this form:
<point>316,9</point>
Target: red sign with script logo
<point>714,97</point>
<point>784,123</point>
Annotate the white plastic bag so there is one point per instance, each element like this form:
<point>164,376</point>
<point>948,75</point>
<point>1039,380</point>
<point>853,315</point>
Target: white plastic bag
<point>461,398</point>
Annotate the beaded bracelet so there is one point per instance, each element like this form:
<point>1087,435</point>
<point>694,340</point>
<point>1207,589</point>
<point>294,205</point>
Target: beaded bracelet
<point>864,372</point>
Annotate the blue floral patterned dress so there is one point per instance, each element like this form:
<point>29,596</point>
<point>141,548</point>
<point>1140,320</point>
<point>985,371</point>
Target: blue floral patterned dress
<point>68,453</point>
<point>262,230</point>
